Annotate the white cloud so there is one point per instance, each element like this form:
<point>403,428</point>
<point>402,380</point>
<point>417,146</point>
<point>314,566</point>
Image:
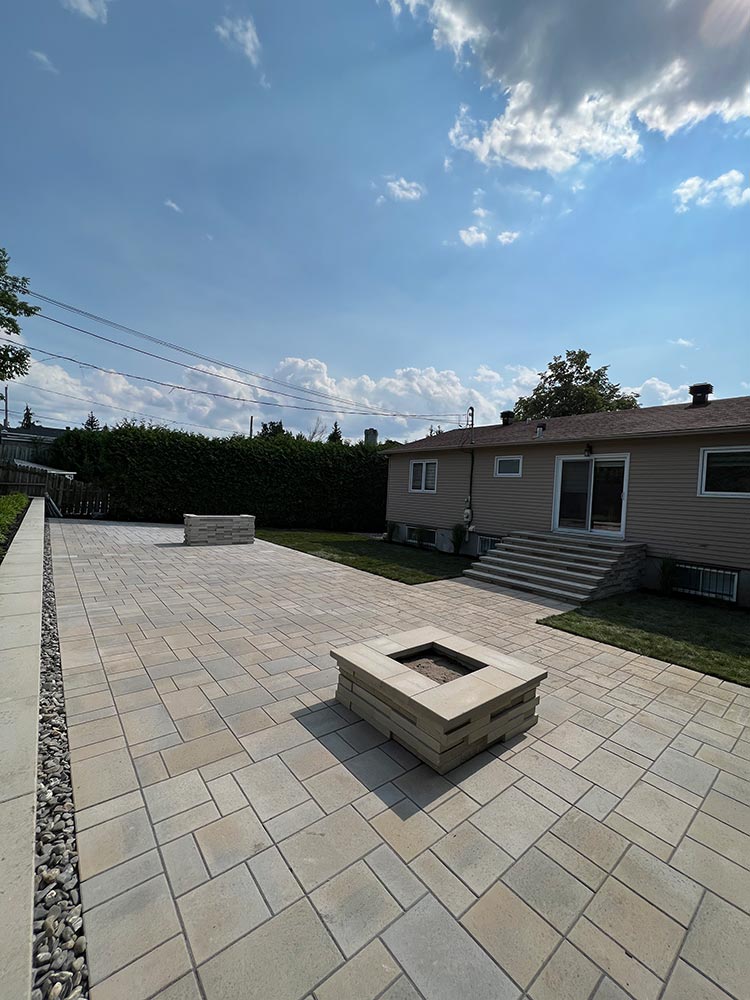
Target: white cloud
<point>473,237</point>
<point>95,10</point>
<point>507,237</point>
<point>682,342</point>
<point>447,164</point>
<point>481,213</point>
<point>399,189</point>
<point>406,390</point>
<point>569,93</point>
<point>240,33</point>
<point>43,61</point>
<point>729,188</point>
<point>173,205</point>
<point>656,392</point>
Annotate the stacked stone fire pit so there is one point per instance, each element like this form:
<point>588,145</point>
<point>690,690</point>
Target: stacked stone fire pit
<point>443,697</point>
<point>219,529</point>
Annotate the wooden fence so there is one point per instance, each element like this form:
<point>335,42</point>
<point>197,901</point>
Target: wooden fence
<point>71,497</point>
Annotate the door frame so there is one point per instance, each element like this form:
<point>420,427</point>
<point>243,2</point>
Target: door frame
<point>559,459</point>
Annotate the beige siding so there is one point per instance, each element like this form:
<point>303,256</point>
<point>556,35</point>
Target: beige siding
<point>663,508</point>
<point>429,510</point>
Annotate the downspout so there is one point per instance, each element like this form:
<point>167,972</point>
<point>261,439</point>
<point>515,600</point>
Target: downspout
<point>469,509</point>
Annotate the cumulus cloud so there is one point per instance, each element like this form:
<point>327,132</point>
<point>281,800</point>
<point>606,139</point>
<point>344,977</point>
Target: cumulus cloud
<point>403,190</point>
<point>656,392</point>
<point>240,33</point>
<point>507,237</point>
<point>95,10</point>
<point>43,61</point>
<point>473,237</point>
<point>729,188</point>
<point>173,205</point>
<point>682,342</point>
<point>570,95</point>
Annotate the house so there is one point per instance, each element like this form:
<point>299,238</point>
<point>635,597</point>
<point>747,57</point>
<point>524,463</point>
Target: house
<point>28,444</point>
<point>582,506</point>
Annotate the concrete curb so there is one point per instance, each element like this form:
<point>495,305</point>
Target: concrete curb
<point>21,579</point>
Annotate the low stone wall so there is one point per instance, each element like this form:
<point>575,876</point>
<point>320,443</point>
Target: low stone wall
<point>219,529</point>
<point>21,574</point>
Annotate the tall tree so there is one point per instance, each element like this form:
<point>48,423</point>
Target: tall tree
<point>570,385</point>
<point>27,420</point>
<point>14,361</point>
<point>91,423</point>
<point>335,437</point>
<point>274,428</point>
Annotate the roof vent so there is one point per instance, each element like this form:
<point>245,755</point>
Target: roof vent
<point>540,429</point>
<point>700,393</point>
<point>507,417</point>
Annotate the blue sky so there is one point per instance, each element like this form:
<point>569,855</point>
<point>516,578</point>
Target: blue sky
<point>295,189</point>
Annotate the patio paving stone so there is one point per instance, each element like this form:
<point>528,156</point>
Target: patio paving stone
<point>602,855</point>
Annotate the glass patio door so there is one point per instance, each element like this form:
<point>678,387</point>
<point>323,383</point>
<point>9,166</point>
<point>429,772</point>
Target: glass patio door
<point>591,494</point>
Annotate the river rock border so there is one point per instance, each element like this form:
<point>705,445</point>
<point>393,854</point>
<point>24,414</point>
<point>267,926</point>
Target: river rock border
<point>59,950</point>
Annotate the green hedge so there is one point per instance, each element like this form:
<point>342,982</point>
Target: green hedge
<point>155,474</point>
<point>11,508</point>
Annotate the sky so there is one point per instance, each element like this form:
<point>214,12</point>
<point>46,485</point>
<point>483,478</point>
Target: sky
<point>410,205</point>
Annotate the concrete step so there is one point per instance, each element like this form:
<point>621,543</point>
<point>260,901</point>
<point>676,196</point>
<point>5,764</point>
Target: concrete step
<point>545,567</point>
<point>558,593</point>
<point>592,543</point>
<point>584,553</point>
<point>543,579</point>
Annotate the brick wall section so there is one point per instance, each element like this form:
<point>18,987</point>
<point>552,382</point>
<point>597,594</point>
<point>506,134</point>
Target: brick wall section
<point>211,529</point>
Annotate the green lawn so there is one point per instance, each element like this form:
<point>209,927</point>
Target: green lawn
<point>712,638</point>
<point>405,563</point>
<point>11,508</point>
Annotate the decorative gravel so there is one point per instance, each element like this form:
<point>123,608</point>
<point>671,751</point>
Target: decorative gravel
<point>59,953</point>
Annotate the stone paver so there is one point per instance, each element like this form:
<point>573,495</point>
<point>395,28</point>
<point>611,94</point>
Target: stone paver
<point>242,834</point>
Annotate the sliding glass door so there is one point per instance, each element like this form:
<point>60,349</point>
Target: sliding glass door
<point>590,494</point>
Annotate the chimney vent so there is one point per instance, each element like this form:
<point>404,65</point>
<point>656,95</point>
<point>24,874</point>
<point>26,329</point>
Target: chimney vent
<point>371,437</point>
<point>700,393</point>
<point>507,417</point>
<point>540,429</point>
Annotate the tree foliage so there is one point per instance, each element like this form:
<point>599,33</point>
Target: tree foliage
<point>27,420</point>
<point>91,423</point>
<point>335,437</point>
<point>274,428</point>
<point>14,361</point>
<point>570,386</point>
<point>156,474</point>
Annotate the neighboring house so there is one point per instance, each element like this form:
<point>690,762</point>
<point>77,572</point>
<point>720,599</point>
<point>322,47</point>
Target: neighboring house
<point>30,445</point>
<point>580,506</point>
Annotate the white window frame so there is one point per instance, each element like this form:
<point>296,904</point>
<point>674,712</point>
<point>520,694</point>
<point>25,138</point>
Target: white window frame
<point>557,486</point>
<point>508,475</point>
<point>423,462</point>
<point>415,528</point>
<point>703,468</point>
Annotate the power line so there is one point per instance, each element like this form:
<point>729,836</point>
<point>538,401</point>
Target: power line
<point>200,392</point>
<point>376,411</point>
<point>228,378</point>
<point>122,409</point>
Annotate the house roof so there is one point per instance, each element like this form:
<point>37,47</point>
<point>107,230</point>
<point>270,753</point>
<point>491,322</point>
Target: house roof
<point>648,421</point>
<point>35,431</point>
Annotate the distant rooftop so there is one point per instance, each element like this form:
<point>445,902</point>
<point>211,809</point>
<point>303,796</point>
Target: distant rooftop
<point>648,421</point>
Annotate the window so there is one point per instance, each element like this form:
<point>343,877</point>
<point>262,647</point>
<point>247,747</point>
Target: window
<point>706,581</point>
<point>423,477</point>
<point>508,466</point>
<point>422,536</point>
<point>724,472</point>
<point>485,544</point>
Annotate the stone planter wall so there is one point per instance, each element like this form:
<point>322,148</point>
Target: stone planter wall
<point>21,575</point>
<point>218,529</point>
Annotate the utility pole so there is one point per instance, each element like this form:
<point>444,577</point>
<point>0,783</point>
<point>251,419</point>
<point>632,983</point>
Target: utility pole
<point>6,425</point>
<point>251,426</point>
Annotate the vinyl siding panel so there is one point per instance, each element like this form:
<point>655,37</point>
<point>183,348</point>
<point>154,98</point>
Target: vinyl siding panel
<point>663,508</point>
<point>442,509</point>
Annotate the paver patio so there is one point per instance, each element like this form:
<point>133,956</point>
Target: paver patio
<point>242,835</point>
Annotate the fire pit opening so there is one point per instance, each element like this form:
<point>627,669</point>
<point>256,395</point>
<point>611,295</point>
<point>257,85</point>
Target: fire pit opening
<point>437,666</point>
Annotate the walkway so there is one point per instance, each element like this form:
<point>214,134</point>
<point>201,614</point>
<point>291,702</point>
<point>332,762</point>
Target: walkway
<point>240,836</point>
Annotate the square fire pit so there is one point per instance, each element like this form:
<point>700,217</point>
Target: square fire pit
<point>443,697</point>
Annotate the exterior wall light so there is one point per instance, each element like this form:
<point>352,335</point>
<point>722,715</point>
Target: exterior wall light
<point>588,451</point>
